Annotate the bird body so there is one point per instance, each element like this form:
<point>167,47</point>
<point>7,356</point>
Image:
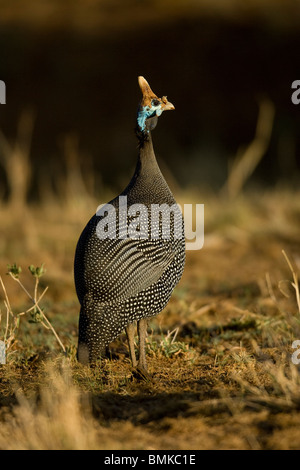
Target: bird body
<point>127,272</point>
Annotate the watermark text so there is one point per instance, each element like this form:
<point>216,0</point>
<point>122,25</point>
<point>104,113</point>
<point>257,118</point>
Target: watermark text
<point>155,222</point>
<point>296,94</point>
<point>2,92</point>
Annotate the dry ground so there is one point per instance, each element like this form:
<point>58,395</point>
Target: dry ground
<point>219,354</point>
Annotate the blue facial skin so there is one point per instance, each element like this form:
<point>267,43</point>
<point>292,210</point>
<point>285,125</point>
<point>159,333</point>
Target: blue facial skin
<point>146,112</point>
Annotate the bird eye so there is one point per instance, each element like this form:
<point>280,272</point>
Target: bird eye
<point>155,102</point>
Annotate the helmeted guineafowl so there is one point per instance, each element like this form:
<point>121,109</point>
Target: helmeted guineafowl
<point>127,267</point>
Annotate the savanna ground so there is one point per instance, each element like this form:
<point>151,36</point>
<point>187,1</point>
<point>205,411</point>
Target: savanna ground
<point>219,354</point>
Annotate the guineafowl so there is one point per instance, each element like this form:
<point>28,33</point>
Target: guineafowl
<point>126,266</point>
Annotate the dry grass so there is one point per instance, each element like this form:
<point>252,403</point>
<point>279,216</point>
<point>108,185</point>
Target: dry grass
<point>54,421</point>
<point>220,353</point>
<point>247,159</point>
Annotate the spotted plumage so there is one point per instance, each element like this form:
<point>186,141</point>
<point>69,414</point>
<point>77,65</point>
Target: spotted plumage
<point>122,279</point>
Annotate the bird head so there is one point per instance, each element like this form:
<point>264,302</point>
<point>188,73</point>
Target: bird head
<point>151,107</point>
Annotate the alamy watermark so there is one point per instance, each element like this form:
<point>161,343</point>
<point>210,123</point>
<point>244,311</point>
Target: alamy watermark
<point>296,354</point>
<point>2,353</point>
<point>154,221</point>
<point>296,94</point>
<point>2,92</point>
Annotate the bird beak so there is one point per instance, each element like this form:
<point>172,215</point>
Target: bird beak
<point>167,105</point>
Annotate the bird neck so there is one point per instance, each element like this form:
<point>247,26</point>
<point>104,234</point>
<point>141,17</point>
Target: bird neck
<point>147,165</point>
<point>148,185</point>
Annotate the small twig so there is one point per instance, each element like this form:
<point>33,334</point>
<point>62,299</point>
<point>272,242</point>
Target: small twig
<point>51,328</point>
<point>295,284</point>
<point>270,289</point>
<point>35,304</point>
<point>20,284</point>
<point>246,161</point>
<point>8,308</point>
<point>169,334</point>
<point>5,293</point>
<point>33,307</point>
<point>42,294</point>
<point>36,288</point>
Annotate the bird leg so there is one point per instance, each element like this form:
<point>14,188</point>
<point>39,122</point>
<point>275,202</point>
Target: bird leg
<point>130,329</point>
<point>142,332</point>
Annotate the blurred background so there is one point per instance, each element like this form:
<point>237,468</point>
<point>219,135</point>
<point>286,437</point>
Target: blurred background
<point>71,70</point>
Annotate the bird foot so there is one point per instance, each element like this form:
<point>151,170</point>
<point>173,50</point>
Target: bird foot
<point>140,374</point>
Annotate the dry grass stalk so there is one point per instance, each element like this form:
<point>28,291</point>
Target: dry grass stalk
<point>295,284</point>
<point>74,186</point>
<point>35,300</point>
<point>246,161</point>
<point>12,326</point>
<point>58,418</point>
<point>12,320</point>
<point>15,160</point>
